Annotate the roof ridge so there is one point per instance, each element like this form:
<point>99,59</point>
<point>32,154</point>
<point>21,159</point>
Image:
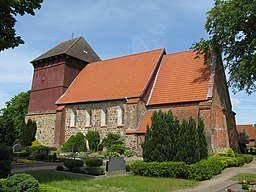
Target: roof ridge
<point>77,39</point>
<point>181,52</point>
<point>130,55</point>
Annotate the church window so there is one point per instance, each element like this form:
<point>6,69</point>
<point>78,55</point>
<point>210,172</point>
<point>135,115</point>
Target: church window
<point>88,118</point>
<point>73,118</point>
<point>104,117</point>
<point>120,116</point>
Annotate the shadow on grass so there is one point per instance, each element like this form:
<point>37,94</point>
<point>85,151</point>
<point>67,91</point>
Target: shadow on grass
<point>50,176</point>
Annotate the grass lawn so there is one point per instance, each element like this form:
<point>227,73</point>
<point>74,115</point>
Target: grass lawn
<point>244,176</point>
<point>58,182</point>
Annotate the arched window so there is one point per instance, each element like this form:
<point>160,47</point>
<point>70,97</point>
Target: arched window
<point>120,116</point>
<point>73,118</point>
<point>88,118</point>
<point>104,117</point>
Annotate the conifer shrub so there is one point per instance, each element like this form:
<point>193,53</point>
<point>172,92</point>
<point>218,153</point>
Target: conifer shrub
<point>94,162</point>
<point>22,183</point>
<point>169,140</point>
<point>71,163</point>
<point>93,138</point>
<point>28,133</point>
<point>5,160</point>
<point>230,152</point>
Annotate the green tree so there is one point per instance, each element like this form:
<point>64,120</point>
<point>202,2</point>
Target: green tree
<point>29,132</point>
<point>8,10</point>
<point>112,139</point>
<point>15,112</point>
<point>203,150</point>
<point>93,138</point>
<point>231,27</point>
<point>75,143</point>
<point>161,138</point>
<point>169,140</point>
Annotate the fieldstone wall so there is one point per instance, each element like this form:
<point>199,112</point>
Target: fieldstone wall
<point>95,108</point>
<point>45,127</point>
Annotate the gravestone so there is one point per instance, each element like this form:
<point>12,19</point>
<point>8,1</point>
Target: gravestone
<point>116,165</point>
<point>17,148</point>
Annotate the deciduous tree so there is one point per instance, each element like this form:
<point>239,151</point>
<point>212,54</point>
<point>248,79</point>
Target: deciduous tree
<point>8,10</point>
<point>231,27</point>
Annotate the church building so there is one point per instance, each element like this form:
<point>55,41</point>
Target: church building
<point>73,90</point>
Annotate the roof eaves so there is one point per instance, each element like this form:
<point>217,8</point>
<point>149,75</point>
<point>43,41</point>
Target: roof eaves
<point>90,101</point>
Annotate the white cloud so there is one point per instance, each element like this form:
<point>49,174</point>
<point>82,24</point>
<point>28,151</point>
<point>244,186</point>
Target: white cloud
<point>235,102</point>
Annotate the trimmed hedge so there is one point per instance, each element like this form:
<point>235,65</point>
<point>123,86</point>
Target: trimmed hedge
<point>94,171</point>
<point>71,163</point>
<point>202,170</point>
<point>94,162</point>
<point>162,169</point>
<point>205,169</point>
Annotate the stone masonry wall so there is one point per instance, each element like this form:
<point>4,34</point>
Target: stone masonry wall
<point>45,127</point>
<point>95,109</point>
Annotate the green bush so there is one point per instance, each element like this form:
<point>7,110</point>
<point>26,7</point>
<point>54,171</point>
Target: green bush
<point>93,138</point>
<point>71,163</point>
<point>117,148</point>
<point>60,168</point>
<point>112,154</point>
<point>5,160</point>
<point>112,139</point>
<point>34,150</point>
<point>95,171</point>
<point>94,162</point>
<point>75,143</point>
<point>22,183</point>
<point>52,157</point>
<point>169,140</point>
<point>28,133</point>
<point>240,161</point>
<point>3,185</point>
<point>230,152</point>
<point>127,167</point>
<point>225,160</point>
<point>247,158</point>
<point>128,154</point>
<point>41,156</point>
<point>160,169</point>
<point>204,169</point>
<point>76,170</point>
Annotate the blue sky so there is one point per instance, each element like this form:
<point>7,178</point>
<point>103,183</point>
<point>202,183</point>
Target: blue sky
<point>113,28</point>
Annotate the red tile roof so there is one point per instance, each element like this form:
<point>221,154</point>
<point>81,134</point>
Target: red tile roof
<point>143,126</point>
<point>250,130</point>
<point>181,78</point>
<point>116,78</point>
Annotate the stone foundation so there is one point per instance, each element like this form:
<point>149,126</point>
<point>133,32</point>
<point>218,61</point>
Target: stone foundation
<point>45,127</point>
